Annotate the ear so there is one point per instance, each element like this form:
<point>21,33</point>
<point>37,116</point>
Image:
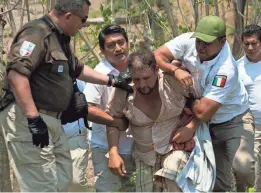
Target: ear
<point>223,41</point>
<point>67,15</point>
<point>157,68</point>
<point>102,50</point>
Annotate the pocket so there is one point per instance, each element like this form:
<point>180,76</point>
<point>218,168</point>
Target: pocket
<point>59,62</point>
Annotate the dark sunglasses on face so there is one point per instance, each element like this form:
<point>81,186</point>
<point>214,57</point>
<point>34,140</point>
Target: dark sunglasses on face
<point>83,19</point>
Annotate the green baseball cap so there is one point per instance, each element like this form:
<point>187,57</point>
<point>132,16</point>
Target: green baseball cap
<point>210,28</point>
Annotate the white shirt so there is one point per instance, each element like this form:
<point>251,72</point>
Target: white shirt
<point>77,127</point>
<point>99,95</point>
<point>250,74</point>
<point>209,74</point>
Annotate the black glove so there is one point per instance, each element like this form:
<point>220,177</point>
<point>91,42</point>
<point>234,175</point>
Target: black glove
<point>122,81</point>
<point>39,131</point>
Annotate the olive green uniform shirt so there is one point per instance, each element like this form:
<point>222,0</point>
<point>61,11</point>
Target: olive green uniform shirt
<point>41,51</point>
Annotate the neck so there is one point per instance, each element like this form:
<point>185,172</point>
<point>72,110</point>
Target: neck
<point>56,20</point>
<point>121,66</point>
<point>254,60</point>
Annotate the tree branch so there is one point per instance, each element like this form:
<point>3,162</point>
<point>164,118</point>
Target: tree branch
<point>11,8</point>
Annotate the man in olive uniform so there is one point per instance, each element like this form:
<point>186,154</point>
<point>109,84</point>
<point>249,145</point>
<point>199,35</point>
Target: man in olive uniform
<point>40,73</point>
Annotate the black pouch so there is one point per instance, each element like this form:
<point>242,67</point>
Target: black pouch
<point>7,98</point>
<point>78,108</point>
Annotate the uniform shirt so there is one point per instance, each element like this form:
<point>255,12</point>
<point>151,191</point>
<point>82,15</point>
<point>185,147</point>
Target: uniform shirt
<point>99,94</point>
<point>218,78</point>
<point>42,53</point>
<point>250,74</point>
<point>151,136</point>
<point>77,127</point>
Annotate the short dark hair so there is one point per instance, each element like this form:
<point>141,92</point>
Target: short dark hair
<point>251,30</point>
<point>111,29</point>
<point>74,6</point>
<point>141,59</point>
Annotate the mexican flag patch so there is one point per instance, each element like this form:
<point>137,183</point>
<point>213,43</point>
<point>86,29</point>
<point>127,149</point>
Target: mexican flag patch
<point>219,81</point>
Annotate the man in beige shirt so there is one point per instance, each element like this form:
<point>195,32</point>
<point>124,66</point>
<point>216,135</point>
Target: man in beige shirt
<point>154,112</point>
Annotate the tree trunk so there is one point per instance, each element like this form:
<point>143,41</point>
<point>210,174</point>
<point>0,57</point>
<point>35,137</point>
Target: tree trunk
<point>12,22</point>
<point>27,10</point>
<point>216,8</point>
<point>171,18</point>
<point>239,7</point>
<point>196,12</point>
<point>22,14</point>
<point>207,7</point>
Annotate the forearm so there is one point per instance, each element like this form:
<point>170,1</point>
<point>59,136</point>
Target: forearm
<point>204,110</point>
<point>22,92</point>
<point>97,115</point>
<point>113,135</point>
<point>92,76</point>
<point>164,62</point>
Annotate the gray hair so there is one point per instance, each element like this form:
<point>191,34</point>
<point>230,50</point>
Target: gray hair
<point>74,6</point>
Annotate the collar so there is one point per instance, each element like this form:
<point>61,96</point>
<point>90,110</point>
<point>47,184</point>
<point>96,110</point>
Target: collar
<point>55,27</point>
<point>108,68</point>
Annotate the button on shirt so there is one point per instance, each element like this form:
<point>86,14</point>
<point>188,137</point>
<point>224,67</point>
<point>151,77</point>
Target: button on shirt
<point>250,74</point>
<point>99,95</point>
<point>232,95</point>
<point>151,136</point>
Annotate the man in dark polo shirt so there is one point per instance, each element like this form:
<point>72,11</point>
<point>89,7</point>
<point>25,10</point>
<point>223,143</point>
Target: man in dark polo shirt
<point>40,73</point>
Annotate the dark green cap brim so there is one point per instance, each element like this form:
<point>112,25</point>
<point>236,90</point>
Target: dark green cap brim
<point>204,37</point>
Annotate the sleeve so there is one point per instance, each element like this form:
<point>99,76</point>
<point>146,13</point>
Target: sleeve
<point>117,103</point>
<point>27,51</point>
<point>220,85</point>
<point>93,93</point>
<point>179,45</point>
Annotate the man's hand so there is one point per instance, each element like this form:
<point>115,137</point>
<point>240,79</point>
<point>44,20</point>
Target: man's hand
<point>181,75</point>
<point>183,135</point>
<point>122,81</point>
<point>39,131</point>
<point>116,164</point>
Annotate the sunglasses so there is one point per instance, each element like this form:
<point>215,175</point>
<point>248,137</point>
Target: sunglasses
<point>83,19</point>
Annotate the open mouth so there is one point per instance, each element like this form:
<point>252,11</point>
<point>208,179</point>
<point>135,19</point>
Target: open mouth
<point>119,55</point>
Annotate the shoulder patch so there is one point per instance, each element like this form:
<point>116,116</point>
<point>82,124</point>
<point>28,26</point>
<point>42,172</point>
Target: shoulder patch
<point>27,48</point>
<point>219,81</point>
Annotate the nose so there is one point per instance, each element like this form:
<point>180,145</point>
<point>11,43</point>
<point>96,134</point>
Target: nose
<point>250,47</point>
<point>142,83</point>
<point>117,47</point>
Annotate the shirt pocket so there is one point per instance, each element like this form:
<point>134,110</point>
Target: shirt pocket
<point>59,63</point>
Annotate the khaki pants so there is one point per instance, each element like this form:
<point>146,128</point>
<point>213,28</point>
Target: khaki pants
<point>167,166</point>
<point>79,153</point>
<point>105,180</point>
<point>37,170</point>
<point>233,144</point>
<point>258,158</point>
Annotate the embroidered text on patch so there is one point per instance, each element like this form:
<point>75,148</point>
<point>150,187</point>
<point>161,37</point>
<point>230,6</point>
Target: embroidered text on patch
<point>219,80</point>
<point>27,48</point>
